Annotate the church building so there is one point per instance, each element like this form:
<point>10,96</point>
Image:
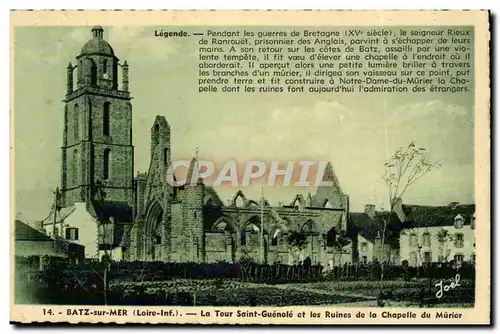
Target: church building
<point>109,209</point>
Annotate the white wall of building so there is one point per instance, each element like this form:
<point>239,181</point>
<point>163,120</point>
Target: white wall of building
<point>409,249</point>
<point>81,219</point>
<point>365,249</point>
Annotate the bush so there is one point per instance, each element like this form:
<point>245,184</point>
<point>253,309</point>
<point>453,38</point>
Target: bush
<point>63,282</point>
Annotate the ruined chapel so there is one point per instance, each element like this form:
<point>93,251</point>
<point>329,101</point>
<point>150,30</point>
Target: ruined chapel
<point>147,218</point>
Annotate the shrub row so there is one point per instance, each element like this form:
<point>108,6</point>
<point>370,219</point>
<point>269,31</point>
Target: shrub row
<point>245,270</point>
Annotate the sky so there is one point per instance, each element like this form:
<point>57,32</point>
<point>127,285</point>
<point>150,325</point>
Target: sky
<point>355,132</point>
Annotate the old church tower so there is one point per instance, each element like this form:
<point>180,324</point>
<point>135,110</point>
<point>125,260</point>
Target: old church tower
<point>97,137</point>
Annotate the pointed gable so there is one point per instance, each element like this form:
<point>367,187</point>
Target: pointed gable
<point>330,195</point>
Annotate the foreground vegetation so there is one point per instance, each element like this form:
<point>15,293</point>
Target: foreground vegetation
<point>235,285</point>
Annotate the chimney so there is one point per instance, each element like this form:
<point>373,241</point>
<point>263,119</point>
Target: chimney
<point>370,210</point>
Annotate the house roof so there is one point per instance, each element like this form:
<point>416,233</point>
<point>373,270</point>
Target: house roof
<point>363,225</point>
<point>25,232</point>
<point>120,211</point>
<point>62,214</point>
<point>432,216</point>
<point>369,228</point>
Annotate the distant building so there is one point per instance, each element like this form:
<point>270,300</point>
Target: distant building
<point>30,241</point>
<point>80,224</point>
<point>438,234</point>
<point>366,230</point>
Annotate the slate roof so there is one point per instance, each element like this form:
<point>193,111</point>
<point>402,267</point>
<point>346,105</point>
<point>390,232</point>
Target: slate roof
<point>369,228</point>
<point>62,214</point>
<point>363,225</point>
<point>25,232</point>
<point>120,211</point>
<point>123,217</point>
<point>432,216</point>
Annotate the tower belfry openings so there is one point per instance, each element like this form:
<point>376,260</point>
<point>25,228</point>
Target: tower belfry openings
<point>97,137</point>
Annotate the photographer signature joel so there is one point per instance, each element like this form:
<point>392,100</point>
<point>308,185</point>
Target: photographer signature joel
<point>446,287</point>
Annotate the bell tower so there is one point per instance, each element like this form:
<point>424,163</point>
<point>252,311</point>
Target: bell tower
<point>97,136</point>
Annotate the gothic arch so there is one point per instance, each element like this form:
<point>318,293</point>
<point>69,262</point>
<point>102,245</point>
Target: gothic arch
<point>76,123</point>
<point>331,237</point>
<point>105,66</point>
<point>290,224</point>
<point>154,216</point>
<point>225,224</point>
<point>106,164</point>
<point>251,226</point>
<point>208,201</point>
<point>310,227</point>
<point>74,168</point>
<point>253,203</point>
<point>298,199</point>
<point>239,199</point>
<point>277,230</point>
<point>152,232</point>
<point>91,70</point>
<point>105,118</point>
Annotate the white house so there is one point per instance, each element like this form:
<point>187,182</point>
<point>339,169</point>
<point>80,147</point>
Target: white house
<point>438,234</point>
<point>78,224</point>
<point>367,230</point>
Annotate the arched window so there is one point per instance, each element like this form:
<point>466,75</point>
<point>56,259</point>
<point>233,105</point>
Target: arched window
<point>74,168</point>
<point>93,74</point>
<point>426,239</point>
<point>104,66</point>
<point>328,205</point>
<point>459,221</point>
<point>331,237</point>
<point>165,156</point>
<point>274,240</point>
<point>106,160</point>
<point>105,119</point>
<point>239,201</point>
<point>76,123</point>
<point>244,238</point>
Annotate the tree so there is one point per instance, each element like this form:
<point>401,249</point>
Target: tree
<point>444,239</point>
<point>340,242</point>
<point>100,195</point>
<point>297,241</point>
<point>402,170</point>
